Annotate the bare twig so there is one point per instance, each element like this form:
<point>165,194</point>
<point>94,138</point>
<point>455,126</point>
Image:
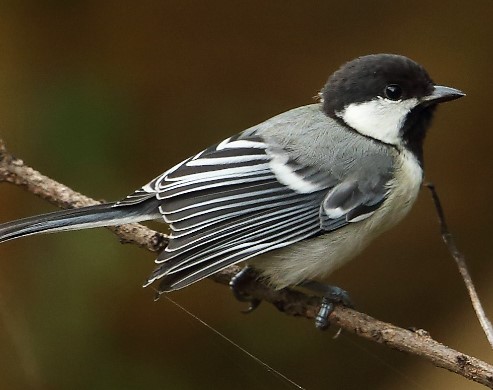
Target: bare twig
<point>291,302</point>
<point>459,258</point>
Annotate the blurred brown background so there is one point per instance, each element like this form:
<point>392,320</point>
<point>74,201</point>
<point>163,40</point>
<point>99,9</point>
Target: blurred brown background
<point>103,96</point>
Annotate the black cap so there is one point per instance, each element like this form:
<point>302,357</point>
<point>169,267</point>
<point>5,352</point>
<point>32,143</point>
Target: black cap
<point>367,77</point>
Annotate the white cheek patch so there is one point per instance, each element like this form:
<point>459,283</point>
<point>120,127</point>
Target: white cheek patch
<point>379,118</point>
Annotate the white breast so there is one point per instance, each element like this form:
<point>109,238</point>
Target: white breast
<point>320,256</point>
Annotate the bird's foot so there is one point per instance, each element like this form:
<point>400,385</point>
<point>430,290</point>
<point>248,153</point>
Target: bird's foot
<point>331,295</point>
<point>246,274</point>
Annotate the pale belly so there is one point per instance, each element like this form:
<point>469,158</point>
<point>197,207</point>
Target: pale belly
<point>320,256</point>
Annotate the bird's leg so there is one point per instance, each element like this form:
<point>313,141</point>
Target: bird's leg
<point>330,295</point>
<point>247,273</point>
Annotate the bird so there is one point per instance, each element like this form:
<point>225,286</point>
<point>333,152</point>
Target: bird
<point>294,197</point>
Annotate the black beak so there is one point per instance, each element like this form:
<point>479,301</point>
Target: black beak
<point>442,94</point>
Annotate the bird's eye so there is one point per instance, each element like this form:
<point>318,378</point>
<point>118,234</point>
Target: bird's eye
<point>393,92</point>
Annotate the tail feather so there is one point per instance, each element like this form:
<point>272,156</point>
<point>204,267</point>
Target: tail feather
<point>107,214</point>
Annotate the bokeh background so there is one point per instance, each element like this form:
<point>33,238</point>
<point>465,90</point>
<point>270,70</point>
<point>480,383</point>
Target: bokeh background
<point>105,95</point>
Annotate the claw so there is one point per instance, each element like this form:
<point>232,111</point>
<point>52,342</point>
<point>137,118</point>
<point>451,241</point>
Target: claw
<point>245,274</point>
<point>253,304</point>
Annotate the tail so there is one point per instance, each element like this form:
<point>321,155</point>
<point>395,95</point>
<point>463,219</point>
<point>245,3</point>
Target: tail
<point>107,214</point>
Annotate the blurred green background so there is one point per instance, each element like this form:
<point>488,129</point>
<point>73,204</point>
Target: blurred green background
<point>105,95</point>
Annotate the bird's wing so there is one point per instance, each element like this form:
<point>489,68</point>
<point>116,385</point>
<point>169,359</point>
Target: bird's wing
<point>353,199</point>
<point>235,200</point>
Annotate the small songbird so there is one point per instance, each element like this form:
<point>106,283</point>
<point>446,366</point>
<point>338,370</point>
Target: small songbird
<point>297,195</point>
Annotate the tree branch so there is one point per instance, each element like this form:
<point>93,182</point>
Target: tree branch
<point>460,260</point>
<point>294,303</point>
